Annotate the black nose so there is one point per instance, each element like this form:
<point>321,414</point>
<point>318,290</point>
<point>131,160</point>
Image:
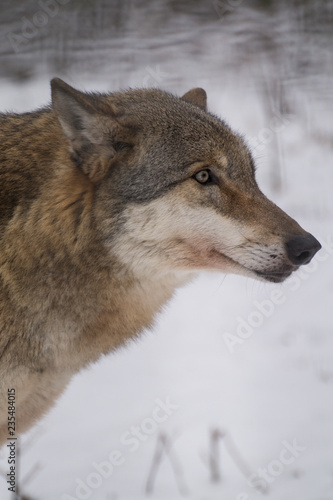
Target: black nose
<point>301,249</point>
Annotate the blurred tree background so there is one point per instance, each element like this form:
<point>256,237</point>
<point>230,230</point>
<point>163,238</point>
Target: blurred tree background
<point>84,35</point>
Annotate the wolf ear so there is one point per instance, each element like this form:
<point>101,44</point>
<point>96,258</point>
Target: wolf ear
<point>83,125</point>
<point>76,114</point>
<point>198,97</point>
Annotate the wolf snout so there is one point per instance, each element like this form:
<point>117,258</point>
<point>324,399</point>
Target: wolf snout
<point>301,248</point>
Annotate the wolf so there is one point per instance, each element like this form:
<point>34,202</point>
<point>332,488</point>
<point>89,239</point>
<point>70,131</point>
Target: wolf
<point>108,203</point>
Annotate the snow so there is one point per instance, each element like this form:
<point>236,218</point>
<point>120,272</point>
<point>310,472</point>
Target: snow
<point>266,392</point>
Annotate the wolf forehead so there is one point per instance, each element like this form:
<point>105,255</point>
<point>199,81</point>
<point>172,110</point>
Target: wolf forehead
<point>159,114</point>
<point>185,132</point>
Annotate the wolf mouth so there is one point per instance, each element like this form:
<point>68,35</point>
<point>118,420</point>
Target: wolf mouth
<point>268,275</point>
<point>275,277</point>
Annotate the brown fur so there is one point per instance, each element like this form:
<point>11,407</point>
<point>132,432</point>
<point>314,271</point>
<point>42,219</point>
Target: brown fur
<point>102,217</point>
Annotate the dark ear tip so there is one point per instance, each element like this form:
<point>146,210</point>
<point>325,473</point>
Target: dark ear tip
<point>55,82</point>
<point>58,83</point>
<point>196,96</point>
<point>200,92</point>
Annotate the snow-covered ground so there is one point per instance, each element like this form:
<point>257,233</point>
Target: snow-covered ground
<point>253,360</point>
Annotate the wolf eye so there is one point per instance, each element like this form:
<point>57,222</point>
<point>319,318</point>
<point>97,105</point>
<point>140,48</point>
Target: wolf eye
<point>204,176</point>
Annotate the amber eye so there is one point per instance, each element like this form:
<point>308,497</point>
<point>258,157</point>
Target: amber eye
<point>203,176</point>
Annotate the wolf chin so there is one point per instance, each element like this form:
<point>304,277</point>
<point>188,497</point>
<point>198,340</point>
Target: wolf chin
<point>108,202</point>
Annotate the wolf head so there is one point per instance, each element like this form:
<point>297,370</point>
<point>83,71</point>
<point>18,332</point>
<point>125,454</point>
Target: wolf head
<point>175,187</point>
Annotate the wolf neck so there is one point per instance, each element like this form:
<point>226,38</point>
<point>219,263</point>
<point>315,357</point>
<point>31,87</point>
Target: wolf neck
<point>83,305</point>
<point>126,315</point>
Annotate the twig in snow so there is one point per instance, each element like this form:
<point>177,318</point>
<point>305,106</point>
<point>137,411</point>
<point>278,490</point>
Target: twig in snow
<point>164,449</point>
